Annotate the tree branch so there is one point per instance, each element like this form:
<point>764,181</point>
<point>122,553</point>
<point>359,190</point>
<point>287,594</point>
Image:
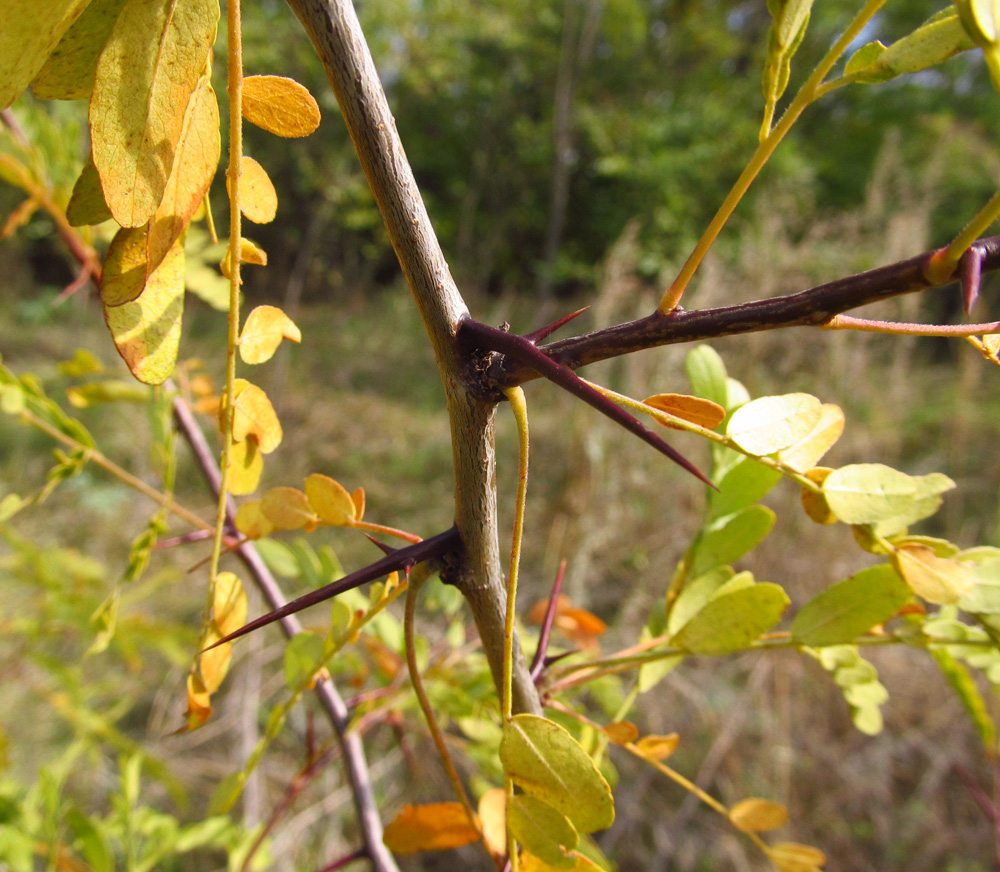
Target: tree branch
<point>813,307</point>
<point>336,34</point>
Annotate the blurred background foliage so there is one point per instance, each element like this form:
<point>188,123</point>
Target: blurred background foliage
<point>571,152</point>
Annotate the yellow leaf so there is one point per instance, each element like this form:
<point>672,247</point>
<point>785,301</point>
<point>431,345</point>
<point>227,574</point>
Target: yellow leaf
<point>287,508</point>
<point>792,857</point>
<point>358,497</point>
<point>771,423</point>
<point>199,705</point>
<point>622,732</point>
<point>249,253</point>
<point>258,199</point>
<point>279,105</point>
<point>229,608</point>
<point>253,415</point>
<point>147,331</point>
<point>263,331</point>
<point>437,826</point>
<point>214,664</point>
<point>123,275</point>
<point>492,817</point>
<point>658,747</point>
<point>246,463</point>
<point>27,38</point>
<point>531,863</point>
<point>815,504</point>
<point>195,163</point>
<point>698,411</point>
<point>145,77</point>
<point>252,522</point>
<point>755,815</point>
<point>940,580</point>
<point>806,453</point>
<point>86,204</point>
<point>330,500</point>
<point>68,74</point>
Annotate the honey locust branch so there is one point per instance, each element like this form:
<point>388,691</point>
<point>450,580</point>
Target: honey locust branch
<point>814,307</point>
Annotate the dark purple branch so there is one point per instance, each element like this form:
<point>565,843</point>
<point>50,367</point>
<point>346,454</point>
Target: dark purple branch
<point>355,764</point>
<point>538,663</point>
<point>400,558</point>
<point>813,307</point>
<point>474,335</point>
<point>360,854</point>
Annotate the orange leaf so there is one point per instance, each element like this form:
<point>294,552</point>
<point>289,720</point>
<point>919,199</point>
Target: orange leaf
<point>330,500</point>
<point>538,610</point>
<point>287,508</point>
<point>358,498</point>
<point>696,410</point>
<point>755,815</point>
<point>622,732</point>
<point>199,706</point>
<point>279,105</point>
<point>793,857</point>
<point>658,747</point>
<point>258,199</point>
<point>815,504</point>
<point>386,661</point>
<point>437,826</point>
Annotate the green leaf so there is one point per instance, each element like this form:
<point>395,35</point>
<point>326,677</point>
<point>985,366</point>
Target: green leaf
<point>728,539</point>
<point>742,485</point>
<point>851,607</point>
<point>707,374</point>
<point>93,844</point>
<point>145,77</point>
<point>865,493</point>
<point>546,762</point>
<point>303,653</point>
<point>731,621</point>
<point>769,424</point>
<point>963,685</point>
<point>226,793</point>
<point>27,38</point>
<point>985,596</point>
<point>542,830</point>
<point>858,681</point>
<point>696,594</point>
<point>864,63</point>
<point>68,74</point>
<point>926,501</point>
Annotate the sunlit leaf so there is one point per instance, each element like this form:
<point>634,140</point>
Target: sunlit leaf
<point>925,502</point>
<point>864,493</point>
<point>492,817</point>
<point>195,162</point>
<point>86,203</point>
<point>253,415</point>
<point>246,463</point>
<point>697,593</point>
<point>542,830</point>
<point>793,857</point>
<point>815,504</point>
<point>358,498</point>
<point>146,74</point>
<point>251,520</point>
<point>258,198</point>
<point>147,331</point>
<point>124,273</point>
<point>68,73</point>
<point>199,705</point>
<point>851,607</point>
<point>107,391</point>
<point>213,665</point>
<point>279,105</point>
<point>697,410</point>
<point>769,424</point>
<point>287,508</point>
<point>263,331</point>
<point>756,815</point>
<point>437,826</point>
<point>935,579</point>
<point>731,621</point>
<point>27,38</point>
<point>250,253</point>
<point>545,761</point>
<point>330,500</point>
<point>658,747</point>
<point>806,453</point>
<point>742,485</point>
<point>229,610</point>
<point>981,21</point>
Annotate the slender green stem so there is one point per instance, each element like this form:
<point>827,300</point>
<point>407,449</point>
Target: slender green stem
<point>807,94</point>
<point>943,262</point>
<point>95,456</point>
<point>418,575</point>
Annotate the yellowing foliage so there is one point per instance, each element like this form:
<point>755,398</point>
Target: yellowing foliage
<point>279,105</point>
<point>263,331</point>
<point>436,826</point>
<point>258,198</point>
<point>698,411</point>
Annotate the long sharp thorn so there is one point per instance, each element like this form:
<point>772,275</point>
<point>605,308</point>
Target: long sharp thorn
<point>398,559</point>
<point>538,663</point>
<point>386,549</point>
<point>523,351</point>
<point>542,332</point>
<point>971,272</point>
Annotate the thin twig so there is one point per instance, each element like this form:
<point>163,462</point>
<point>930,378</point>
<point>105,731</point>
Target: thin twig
<point>538,663</point>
